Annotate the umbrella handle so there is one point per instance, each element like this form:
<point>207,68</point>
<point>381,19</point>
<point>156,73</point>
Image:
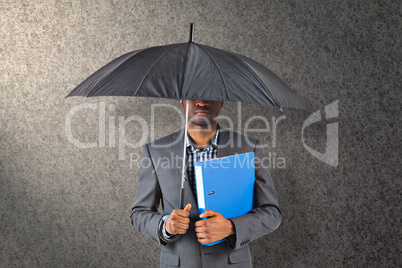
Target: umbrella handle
<point>182,198</point>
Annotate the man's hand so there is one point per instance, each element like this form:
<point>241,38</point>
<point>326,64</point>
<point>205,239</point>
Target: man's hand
<point>213,229</point>
<point>177,222</point>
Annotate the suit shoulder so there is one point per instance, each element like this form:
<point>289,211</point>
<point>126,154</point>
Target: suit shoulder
<point>170,139</point>
<point>238,138</point>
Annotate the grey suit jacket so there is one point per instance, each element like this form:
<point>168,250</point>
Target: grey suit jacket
<point>160,181</point>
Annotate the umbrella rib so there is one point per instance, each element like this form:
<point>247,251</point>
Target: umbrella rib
<point>153,65</point>
<point>220,73</point>
<point>128,55</point>
<point>184,69</point>
<point>271,98</point>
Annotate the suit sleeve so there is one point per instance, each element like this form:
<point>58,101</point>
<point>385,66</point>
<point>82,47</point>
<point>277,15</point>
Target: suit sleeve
<point>145,216</point>
<point>265,216</point>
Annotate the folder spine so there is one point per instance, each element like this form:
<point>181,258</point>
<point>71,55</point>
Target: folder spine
<point>199,181</point>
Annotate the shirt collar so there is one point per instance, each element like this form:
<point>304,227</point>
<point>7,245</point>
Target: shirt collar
<point>213,144</point>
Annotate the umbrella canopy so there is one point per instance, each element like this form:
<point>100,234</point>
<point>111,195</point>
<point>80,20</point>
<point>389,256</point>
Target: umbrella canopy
<point>189,71</point>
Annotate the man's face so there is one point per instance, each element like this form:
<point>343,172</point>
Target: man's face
<point>202,113</point>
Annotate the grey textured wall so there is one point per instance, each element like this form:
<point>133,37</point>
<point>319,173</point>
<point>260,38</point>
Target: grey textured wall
<point>66,206</point>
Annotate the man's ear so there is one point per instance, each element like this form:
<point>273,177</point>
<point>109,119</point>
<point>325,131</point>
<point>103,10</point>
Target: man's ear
<point>221,105</point>
<point>181,103</point>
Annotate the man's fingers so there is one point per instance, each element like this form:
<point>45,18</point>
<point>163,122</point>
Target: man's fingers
<point>183,226</point>
<point>182,229</point>
<point>181,213</point>
<point>175,227</point>
<point>209,213</point>
<point>179,231</point>
<point>200,229</point>
<point>199,223</point>
<point>179,219</point>
<point>203,239</point>
<point>201,235</point>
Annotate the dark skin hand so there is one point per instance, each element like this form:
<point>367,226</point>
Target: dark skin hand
<point>213,229</point>
<point>177,222</point>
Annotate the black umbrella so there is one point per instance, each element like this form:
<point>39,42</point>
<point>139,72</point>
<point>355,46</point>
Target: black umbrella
<point>189,71</point>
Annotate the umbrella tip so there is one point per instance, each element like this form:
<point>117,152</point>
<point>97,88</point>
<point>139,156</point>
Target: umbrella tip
<point>191,33</point>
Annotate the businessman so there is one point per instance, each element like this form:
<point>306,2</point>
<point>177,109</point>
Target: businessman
<point>180,232</point>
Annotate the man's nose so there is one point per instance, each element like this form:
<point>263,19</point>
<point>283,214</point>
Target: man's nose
<point>202,103</point>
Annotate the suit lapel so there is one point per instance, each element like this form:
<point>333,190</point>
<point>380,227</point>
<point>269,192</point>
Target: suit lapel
<point>178,150</point>
<point>224,146</point>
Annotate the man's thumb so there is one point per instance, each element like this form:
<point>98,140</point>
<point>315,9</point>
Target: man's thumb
<point>187,208</point>
<point>208,213</point>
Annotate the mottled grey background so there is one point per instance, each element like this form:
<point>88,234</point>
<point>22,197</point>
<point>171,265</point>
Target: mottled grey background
<point>65,206</point>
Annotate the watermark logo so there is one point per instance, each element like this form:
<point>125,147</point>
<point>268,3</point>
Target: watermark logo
<point>330,156</point>
<point>112,129</point>
<point>112,132</point>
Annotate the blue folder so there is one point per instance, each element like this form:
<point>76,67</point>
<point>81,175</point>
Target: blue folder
<point>226,185</point>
